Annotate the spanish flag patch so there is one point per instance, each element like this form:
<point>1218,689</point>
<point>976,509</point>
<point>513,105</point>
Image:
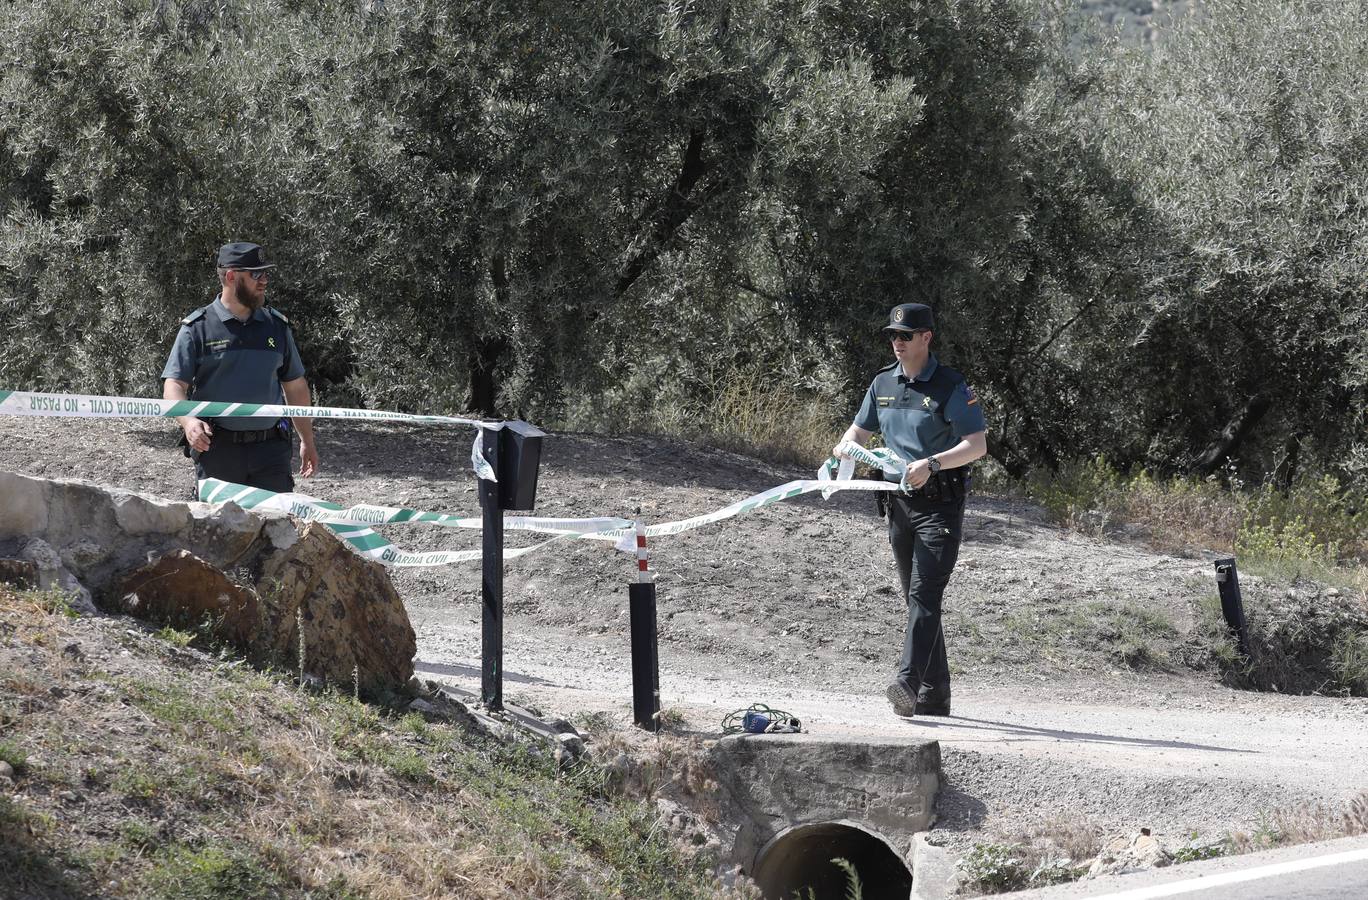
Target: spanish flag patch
<point>970,397</point>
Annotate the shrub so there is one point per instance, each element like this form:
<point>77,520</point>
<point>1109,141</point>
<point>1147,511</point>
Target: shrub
<point>1316,523</point>
<point>994,868</point>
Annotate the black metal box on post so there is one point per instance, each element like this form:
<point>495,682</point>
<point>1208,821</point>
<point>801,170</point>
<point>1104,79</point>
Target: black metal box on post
<point>513,450</point>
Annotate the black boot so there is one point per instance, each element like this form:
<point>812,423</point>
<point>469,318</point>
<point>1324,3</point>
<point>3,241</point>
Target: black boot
<point>933,701</point>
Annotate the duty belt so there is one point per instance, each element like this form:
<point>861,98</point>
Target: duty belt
<point>947,484</point>
<point>255,437</point>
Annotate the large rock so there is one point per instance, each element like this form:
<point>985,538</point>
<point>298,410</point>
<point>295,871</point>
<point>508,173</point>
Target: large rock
<point>222,535</point>
<point>136,514</point>
<point>1133,853</point>
<point>353,620</point>
<point>54,576</point>
<point>23,506</point>
<point>250,579</point>
<point>184,591</point>
<point>355,629</point>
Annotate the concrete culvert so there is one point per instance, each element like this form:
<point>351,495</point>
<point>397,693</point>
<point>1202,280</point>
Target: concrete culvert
<point>799,859</point>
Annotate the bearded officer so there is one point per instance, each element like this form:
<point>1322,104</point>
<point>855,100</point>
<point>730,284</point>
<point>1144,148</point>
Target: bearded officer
<point>930,417</point>
<point>238,349</point>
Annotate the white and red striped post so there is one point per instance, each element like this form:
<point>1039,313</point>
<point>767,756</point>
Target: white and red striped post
<point>643,554</point>
<point>641,598</point>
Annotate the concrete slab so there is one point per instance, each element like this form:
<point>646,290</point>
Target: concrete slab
<point>772,782</point>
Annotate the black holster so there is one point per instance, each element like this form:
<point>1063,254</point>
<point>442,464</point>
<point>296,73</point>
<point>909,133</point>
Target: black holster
<point>880,497</point>
<point>946,486</point>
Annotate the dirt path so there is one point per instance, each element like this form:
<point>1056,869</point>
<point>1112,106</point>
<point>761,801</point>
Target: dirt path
<point>1082,681</point>
<point>1154,751</point>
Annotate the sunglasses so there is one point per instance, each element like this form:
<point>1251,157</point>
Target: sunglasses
<point>905,335</point>
<point>257,276</point>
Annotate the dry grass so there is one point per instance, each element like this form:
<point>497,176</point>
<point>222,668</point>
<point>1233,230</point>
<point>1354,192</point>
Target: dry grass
<point>165,773</point>
<point>1304,824</point>
<point>1076,840</point>
<point>754,414</point>
<point>1317,521</point>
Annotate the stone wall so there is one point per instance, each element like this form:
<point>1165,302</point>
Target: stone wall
<point>255,581</point>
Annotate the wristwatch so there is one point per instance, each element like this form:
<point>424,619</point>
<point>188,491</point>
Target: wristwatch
<point>932,465</point>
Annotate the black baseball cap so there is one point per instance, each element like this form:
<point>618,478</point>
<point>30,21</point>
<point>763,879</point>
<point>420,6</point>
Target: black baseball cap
<point>243,255</point>
<point>910,317</point>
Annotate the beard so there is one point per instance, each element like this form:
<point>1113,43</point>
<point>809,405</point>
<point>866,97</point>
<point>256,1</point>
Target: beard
<point>247,293</point>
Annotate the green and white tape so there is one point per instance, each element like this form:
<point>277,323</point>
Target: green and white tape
<point>877,458</point>
<point>212,490</point>
<point>86,406</point>
<point>353,523</point>
<point>785,491</point>
<point>31,403</point>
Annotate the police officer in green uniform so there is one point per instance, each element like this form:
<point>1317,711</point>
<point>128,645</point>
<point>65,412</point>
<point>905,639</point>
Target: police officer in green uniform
<point>238,349</point>
<point>930,417</point>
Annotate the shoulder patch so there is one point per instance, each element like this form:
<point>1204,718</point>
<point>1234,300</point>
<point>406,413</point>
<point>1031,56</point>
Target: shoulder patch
<point>193,317</point>
<point>969,396</point>
<point>278,314</point>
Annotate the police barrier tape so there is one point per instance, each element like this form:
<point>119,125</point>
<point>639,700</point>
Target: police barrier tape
<point>32,403</point>
<point>353,523</point>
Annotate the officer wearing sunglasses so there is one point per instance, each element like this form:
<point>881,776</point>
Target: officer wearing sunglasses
<point>237,349</point>
<point>930,416</point>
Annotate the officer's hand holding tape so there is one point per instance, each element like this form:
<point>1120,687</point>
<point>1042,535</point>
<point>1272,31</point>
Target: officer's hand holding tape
<point>918,471</point>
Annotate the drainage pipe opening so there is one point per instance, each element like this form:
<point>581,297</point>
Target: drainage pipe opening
<point>800,859</point>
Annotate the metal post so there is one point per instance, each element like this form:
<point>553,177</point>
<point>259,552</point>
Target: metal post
<point>1232,606</point>
<point>491,630</point>
<point>641,599</point>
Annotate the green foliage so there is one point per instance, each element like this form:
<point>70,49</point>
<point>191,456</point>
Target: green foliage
<point>415,724</point>
<point>1315,521</point>
<point>542,208</point>
<point>1001,868</point>
<point>212,872</point>
<point>174,704</point>
<point>993,868</point>
<point>854,890</point>
<point>1247,147</point>
<point>1308,640</point>
<point>53,600</point>
<point>1195,851</point>
<point>174,637</point>
<point>1349,661</point>
<point>17,759</point>
<point>1060,870</point>
<point>138,784</point>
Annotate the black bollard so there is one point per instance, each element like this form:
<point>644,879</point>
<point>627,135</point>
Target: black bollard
<point>641,601</point>
<point>645,660</point>
<point>1232,606</point>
